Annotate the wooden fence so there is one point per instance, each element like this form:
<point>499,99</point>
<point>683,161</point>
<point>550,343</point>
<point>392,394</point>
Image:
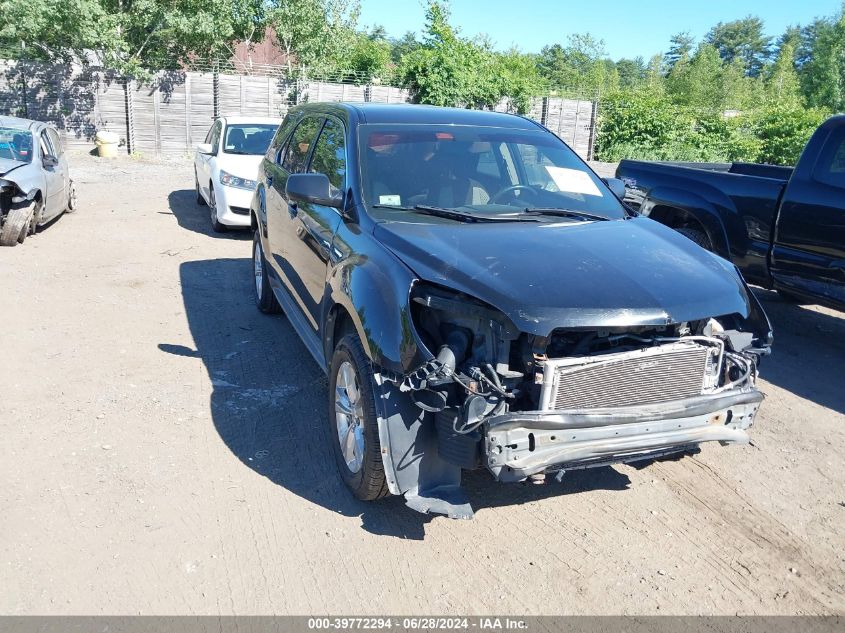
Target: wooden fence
<point>170,114</point>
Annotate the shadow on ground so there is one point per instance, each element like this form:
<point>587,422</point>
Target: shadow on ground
<point>269,401</point>
<point>269,405</point>
<point>808,355</point>
<point>196,218</point>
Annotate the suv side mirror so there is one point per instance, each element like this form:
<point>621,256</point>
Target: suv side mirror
<point>313,188</point>
<point>49,161</point>
<point>616,186</point>
<point>205,148</point>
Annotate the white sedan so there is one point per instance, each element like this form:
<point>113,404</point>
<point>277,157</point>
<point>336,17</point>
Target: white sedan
<point>226,166</point>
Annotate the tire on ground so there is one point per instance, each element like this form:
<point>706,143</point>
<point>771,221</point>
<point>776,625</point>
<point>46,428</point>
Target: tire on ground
<point>17,225</point>
<point>200,200</point>
<point>369,483</point>
<point>216,224</point>
<point>72,203</point>
<point>264,297</point>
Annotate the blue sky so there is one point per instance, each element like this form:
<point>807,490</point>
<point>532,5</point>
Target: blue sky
<point>635,27</point>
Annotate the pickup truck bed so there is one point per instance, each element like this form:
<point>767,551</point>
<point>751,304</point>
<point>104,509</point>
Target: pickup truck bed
<point>783,227</point>
<point>735,203</point>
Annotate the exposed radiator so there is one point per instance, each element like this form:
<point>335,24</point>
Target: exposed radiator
<point>650,375</point>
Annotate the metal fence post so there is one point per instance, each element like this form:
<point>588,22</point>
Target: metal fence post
<point>593,129</point>
<point>128,91</point>
<point>24,100</point>
<point>216,90</point>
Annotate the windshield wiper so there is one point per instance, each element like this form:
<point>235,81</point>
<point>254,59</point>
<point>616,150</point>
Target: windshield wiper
<point>454,214</point>
<point>565,213</point>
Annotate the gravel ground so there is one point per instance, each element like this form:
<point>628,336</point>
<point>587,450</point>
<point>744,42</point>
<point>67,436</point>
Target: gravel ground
<point>165,451</point>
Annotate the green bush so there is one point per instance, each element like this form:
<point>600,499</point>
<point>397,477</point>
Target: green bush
<point>649,127</point>
<point>784,131</point>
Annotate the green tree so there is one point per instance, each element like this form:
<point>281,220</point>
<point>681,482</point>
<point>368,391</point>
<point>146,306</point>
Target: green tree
<point>680,47</point>
<point>697,82</point>
<point>130,36</point>
<point>741,39</point>
<point>519,78</point>
<point>784,131</point>
<point>782,84</point>
<point>448,70</point>
<point>632,73</point>
<point>370,57</point>
<point>579,66</point>
<point>654,79</point>
<point>317,34</point>
<point>822,74</point>
<point>791,36</point>
<point>402,46</point>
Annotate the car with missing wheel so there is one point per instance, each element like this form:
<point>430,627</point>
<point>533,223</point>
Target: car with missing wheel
<point>226,165</point>
<point>35,184</point>
<point>479,298</point>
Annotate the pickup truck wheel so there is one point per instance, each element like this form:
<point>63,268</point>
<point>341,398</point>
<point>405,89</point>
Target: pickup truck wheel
<point>353,421</point>
<point>17,225</point>
<point>699,237</point>
<point>264,297</point>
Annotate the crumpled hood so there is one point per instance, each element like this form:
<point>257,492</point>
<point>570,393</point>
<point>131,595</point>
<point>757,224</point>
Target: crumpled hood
<point>595,274</point>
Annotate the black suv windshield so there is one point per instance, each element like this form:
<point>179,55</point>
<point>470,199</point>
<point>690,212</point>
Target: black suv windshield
<point>248,138</point>
<point>16,144</point>
<point>483,170</point>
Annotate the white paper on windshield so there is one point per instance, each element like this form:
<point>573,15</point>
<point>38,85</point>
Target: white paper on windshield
<point>573,181</point>
<point>390,199</point>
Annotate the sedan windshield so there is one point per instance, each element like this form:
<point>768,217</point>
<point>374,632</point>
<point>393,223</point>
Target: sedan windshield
<point>15,144</point>
<point>248,138</point>
<point>482,170</point>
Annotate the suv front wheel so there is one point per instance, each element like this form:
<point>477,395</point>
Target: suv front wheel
<point>353,421</point>
<point>264,297</point>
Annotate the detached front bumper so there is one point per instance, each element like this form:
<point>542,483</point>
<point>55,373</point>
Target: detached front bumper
<point>520,444</point>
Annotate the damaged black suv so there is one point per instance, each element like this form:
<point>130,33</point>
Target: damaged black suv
<point>480,298</point>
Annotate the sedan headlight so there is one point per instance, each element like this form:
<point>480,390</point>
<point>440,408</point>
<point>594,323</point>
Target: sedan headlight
<point>229,180</point>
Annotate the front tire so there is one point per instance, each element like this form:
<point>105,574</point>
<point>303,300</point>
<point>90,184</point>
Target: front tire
<point>200,200</point>
<point>18,225</point>
<point>216,224</point>
<point>264,297</point>
<point>72,203</point>
<point>697,236</point>
<point>353,421</point>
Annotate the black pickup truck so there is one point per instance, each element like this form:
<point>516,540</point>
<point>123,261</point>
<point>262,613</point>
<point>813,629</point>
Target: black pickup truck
<point>783,227</point>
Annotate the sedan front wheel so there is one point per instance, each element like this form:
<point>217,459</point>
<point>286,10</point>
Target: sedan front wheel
<point>18,224</point>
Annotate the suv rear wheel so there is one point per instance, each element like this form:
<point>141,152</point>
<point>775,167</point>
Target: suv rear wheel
<point>353,421</point>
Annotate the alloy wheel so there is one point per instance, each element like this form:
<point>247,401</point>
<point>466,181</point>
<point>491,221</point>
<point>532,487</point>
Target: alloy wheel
<point>349,416</point>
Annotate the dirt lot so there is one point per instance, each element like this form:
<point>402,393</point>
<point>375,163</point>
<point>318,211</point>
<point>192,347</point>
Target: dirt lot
<point>164,451</point>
